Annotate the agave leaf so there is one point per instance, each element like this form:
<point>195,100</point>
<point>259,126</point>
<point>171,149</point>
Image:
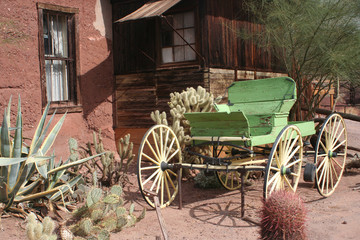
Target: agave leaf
<point>43,135</point>
<point>72,164</point>
<point>21,198</point>
<point>8,111</point>
<point>39,129</point>
<point>29,188</point>
<point>55,179</point>
<point>49,140</point>
<point>34,159</point>
<point>51,162</point>
<point>65,187</point>
<point>14,169</point>
<point>19,182</point>
<point>42,169</point>
<point>25,150</point>
<point>5,161</point>
<point>5,138</point>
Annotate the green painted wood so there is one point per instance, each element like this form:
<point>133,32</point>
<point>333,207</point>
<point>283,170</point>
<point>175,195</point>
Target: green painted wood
<point>218,124</point>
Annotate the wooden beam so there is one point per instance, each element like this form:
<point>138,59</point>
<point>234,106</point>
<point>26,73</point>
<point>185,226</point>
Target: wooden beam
<point>328,112</point>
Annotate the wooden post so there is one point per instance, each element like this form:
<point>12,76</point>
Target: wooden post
<point>158,213</point>
<point>179,188</point>
<point>242,194</point>
<point>331,101</point>
<point>160,218</point>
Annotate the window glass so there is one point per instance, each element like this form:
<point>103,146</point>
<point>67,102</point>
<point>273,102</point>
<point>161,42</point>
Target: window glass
<point>167,55</point>
<point>189,19</point>
<point>189,35</point>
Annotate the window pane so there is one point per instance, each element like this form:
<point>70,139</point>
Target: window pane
<point>178,21</point>
<point>189,35</point>
<point>167,39</point>
<point>177,39</point>
<point>56,80</point>
<point>47,35</point>
<point>179,54</point>
<point>189,53</point>
<point>189,20</point>
<point>167,55</point>
<point>57,36</point>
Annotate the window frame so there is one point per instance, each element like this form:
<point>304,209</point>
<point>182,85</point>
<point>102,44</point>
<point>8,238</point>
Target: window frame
<point>74,103</point>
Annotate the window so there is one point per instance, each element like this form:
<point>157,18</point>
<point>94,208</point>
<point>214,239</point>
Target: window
<point>174,48</point>
<point>58,58</point>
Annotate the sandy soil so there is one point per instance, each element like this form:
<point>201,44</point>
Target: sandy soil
<point>215,213</point>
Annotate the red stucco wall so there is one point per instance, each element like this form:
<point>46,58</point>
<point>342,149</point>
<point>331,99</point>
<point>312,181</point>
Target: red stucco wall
<point>20,74</point>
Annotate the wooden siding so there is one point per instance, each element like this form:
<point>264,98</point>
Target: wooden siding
<point>135,99</point>
<point>133,41</point>
<point>222,45</point>
<point>137,95</point>
<point>220,79</point>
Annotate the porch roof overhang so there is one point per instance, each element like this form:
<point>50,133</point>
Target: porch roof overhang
<point>153,8</point>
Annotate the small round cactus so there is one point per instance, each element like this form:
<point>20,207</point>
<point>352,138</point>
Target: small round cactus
<point>283,217</point>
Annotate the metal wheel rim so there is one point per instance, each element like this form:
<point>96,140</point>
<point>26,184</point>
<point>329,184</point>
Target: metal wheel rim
<point>329,169</point>
<point>159,144</point>
<point>280,160</point>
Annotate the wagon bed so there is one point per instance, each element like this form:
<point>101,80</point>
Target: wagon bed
<point>255,114</point>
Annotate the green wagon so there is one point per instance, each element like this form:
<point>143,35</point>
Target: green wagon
<point>249,133</point>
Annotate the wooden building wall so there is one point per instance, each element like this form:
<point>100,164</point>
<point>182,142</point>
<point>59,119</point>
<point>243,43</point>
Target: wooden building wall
<point>224,44</point>
<point>138,94</point>
<point>134,41</point>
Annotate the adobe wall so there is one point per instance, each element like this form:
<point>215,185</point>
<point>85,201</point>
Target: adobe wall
<point>19,68</point>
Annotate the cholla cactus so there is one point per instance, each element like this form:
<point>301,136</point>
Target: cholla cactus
<point>111,171</point>
<point>40,231</point>
<point>283,217</point>
<point>187,101</point>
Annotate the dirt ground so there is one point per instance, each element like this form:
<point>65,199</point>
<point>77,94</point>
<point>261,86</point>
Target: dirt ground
<point>215,213</point>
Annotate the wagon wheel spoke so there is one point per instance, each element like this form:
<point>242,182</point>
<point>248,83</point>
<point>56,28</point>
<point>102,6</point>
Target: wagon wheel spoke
<point>151,177</point>
<point>337,146</point>
<point>330,165</point>
<point>289,184</point>
<point>285,160</point>
<point>159,145</point>
<point>229,180</point>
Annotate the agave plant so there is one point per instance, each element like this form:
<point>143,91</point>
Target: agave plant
<point>23,169</point>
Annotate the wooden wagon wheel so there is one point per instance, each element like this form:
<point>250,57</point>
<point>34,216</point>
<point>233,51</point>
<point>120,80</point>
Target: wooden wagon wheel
<point>158,147</point>
<point>285,161</point>
<point>330,154</point>
<point>230,180</point>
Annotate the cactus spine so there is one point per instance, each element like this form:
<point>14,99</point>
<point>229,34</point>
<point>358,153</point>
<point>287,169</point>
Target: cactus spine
<point>283,217</point>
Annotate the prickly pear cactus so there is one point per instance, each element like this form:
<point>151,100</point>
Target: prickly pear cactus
<point>283,217</point>
<point>104,213</point>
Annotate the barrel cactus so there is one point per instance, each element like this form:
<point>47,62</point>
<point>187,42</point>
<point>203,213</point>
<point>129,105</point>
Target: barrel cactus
<point>283,217</point>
